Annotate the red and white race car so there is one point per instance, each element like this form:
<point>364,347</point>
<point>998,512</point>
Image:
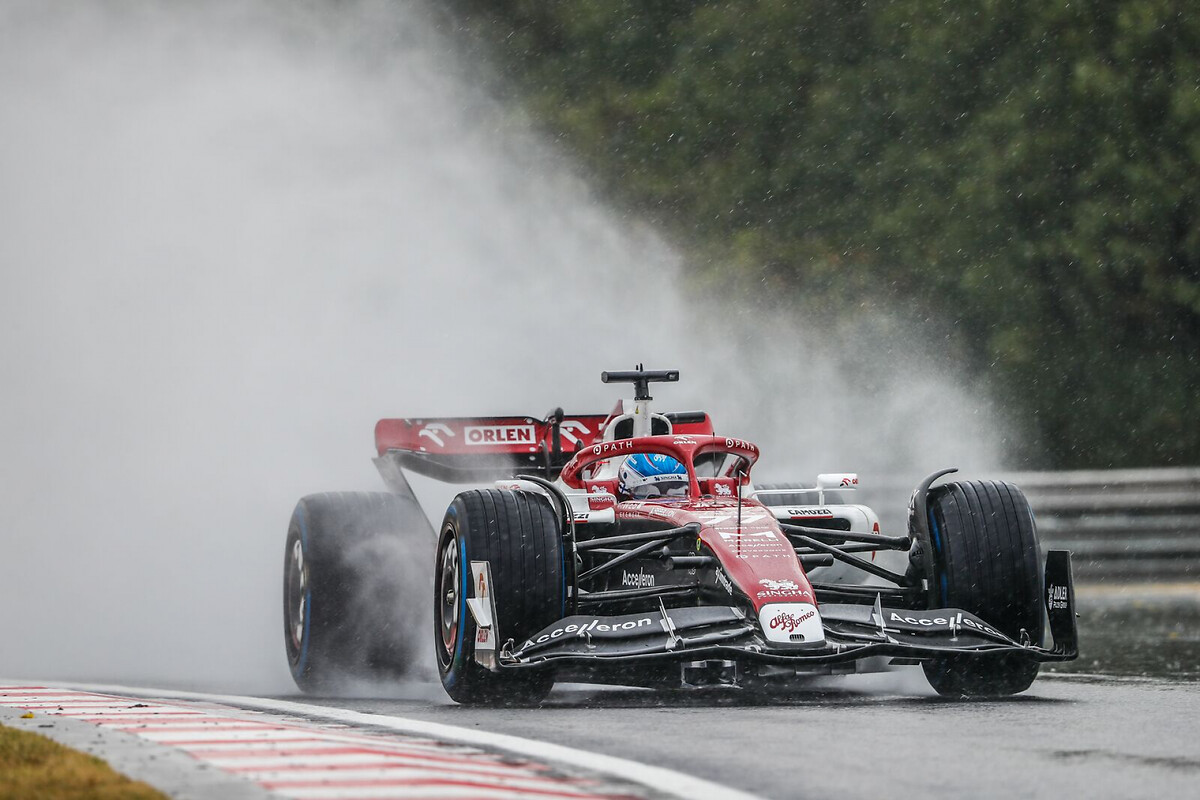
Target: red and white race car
<point>634,548</point>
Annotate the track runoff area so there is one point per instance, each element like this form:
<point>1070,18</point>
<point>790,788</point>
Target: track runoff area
<point>280,748</point>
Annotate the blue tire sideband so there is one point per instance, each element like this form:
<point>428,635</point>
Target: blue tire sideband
<point>937,552</point>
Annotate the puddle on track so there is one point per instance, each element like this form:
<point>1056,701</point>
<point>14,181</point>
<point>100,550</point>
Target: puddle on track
<point>1132,630</point>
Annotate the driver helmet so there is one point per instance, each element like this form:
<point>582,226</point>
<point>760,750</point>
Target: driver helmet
<point>644,475</point>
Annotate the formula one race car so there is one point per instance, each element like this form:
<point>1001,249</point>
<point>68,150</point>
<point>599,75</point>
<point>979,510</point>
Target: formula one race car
<point>633,548</point>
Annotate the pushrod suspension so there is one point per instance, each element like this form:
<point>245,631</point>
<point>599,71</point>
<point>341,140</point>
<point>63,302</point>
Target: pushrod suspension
<point>853,561</point>
<point>884,542</point>
<point>619,560</point>
<point>691,528</point>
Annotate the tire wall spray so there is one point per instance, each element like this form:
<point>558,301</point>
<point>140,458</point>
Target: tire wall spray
<point>233,237</point>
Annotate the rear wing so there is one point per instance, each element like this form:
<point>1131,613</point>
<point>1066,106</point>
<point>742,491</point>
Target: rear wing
<point>482,449</point>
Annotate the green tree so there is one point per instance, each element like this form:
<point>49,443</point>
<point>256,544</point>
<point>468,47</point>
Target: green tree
<point>1024,173</point>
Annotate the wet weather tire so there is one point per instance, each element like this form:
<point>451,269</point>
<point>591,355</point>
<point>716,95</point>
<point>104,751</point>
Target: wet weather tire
<point>353,590</point>
<point>986,561</point>
<point>519,535</point>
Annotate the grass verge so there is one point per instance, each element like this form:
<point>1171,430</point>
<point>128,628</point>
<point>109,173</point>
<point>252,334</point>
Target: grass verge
<point>34,766</point>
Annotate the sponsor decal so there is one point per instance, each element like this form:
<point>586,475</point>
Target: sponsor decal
<point>748,518</point>
<point>483,635</point>
<point>586,627</point>
<point>791,623</point>
<point>434,431</point>
<point>619,446</point>
<point>681,440</point>
<point>599,498</point>
<point>722,490</point>
<point>582,516</point>
<point>776,594</point>
<point>741,444</point>
<point>784,584</point>
<point>837,480</point>
<point>724,581</point>
<point>637,580</point>
<point>821,513</point>
<point>781,590</point>
<point>742,537</point>
<point>570,427</point>
<point>755,544</point>
<point>499,434</point>
<point>1057,598</point>
<point>633,509</point>
<point>482,586</point>
<point>787,623</point>
<point>951,622</point>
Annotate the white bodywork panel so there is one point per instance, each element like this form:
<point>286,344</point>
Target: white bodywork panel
<point>791,623</point>
<point>483,609</point>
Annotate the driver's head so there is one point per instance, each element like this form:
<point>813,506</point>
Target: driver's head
<point>642,476</point>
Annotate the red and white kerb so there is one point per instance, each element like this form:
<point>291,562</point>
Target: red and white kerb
<point>304,759</point>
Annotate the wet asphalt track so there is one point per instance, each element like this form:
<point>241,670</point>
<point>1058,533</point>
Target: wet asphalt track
<point>1067,737</point>
<point>1122,722</point>
<point>1125,723</point>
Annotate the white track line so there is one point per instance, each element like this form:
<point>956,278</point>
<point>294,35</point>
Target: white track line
<point>661,779</point>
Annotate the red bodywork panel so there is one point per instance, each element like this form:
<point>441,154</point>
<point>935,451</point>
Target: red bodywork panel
<point>756,554</point>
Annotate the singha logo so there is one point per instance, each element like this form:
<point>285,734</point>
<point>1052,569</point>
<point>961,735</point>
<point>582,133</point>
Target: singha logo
<point>779,586</point>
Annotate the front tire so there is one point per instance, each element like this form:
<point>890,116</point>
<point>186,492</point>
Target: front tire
<point>986,561</point>
<point>518,535</point>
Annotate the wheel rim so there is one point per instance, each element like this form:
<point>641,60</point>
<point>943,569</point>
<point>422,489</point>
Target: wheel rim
<point>297,595</point>
<point>448,600</point>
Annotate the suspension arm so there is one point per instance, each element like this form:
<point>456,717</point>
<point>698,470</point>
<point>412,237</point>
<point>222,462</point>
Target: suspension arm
<point>883,542</point>
<point>853,561</point>
<point>669,534</point>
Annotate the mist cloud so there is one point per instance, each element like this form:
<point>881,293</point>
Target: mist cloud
<point>233,237</point>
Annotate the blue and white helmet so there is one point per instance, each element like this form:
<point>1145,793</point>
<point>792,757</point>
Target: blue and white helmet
<point>642,476</point>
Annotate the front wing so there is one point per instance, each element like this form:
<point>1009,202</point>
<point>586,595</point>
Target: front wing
<point>852,632</point>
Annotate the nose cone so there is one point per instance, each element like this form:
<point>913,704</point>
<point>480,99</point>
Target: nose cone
<point>792,624</point>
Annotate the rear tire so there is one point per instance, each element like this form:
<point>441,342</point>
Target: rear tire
<point>353,591</point>
<point>986,561</point>
<point>519,535</point>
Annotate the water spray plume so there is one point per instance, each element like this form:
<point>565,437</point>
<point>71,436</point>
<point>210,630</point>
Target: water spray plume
<point>232,238</point>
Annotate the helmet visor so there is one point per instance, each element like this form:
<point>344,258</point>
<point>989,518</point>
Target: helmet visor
<point>662,488</point>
